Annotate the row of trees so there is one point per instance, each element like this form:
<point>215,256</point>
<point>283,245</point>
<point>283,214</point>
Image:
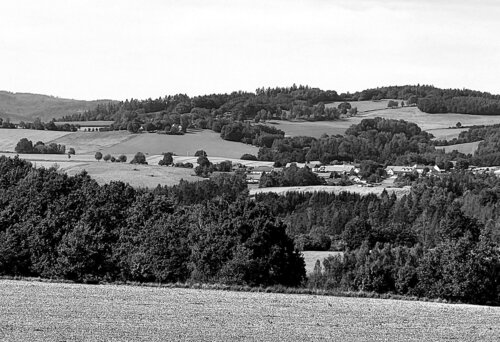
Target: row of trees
<point>26,146</point>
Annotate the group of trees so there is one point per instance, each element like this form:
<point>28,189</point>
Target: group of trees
<point>56,226</point>
<point>290,176</point>
<point>6,123</point>
<point>108,157</point>
<point>439,241</point>
<point>26,146</point>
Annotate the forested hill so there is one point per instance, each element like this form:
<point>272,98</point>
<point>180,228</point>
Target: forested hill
<point>430,99</point>
<point>295,102</point>
<point>26,107</point>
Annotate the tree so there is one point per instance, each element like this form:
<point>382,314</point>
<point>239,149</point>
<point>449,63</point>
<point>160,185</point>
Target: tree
<point>167,159</point>
<point>248,156</point>
<point>459,124</point>
<point>133,127</point>
<point>24,146</point>
<point>200,153</point>
<point>122,158</point>
<point>107,157</point>
<point>98,156</point>
<point>139,158</point>
<point>71,151</point>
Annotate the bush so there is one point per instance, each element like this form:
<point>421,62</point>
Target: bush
<point>248,156</point>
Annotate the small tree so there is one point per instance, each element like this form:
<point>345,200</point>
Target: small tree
<point>107,157</point>
<point>71,151</point>
<point>98,156</point>
<point>459,124</point>
<point>167,159</point>
<point>200,153</point>
<point>139,158</point>
<point>122,158</point>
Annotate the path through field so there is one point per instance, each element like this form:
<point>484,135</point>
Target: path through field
<point>34,311</point>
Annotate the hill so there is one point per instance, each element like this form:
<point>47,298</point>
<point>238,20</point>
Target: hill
<point>26,106</point>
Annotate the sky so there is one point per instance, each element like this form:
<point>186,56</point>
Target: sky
<point>119,49</point>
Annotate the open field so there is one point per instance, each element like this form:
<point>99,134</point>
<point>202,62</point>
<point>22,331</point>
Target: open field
<point>34,311</point>
<point>91,142</point>
<point>310,258</point>
<point>140,176</point>
<point>335,189</point>
<point>10,137</point>
<point>183,145</point>
<point>437,124</point>
<point>86,123</point>
<point>463,148</point>
<point>364,106</point>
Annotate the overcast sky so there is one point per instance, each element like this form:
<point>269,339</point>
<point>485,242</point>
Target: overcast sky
<point>151,48</point>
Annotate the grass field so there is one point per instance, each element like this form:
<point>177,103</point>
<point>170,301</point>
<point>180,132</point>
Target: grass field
<point>183,145</point>
<point>335,189</point>
<point>310,258</point>
<point>34,311</point>
<point>463,148</point>
<point>139,176</point>
<point>10,137</point>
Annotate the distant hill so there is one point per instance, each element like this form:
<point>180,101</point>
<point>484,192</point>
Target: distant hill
<point>26,107</point>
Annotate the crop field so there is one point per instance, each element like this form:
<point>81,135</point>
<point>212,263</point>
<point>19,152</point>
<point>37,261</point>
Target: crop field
<point>10,137</point>
<point>335,189</point>
<point>310,258</point>
<point>34,311</point>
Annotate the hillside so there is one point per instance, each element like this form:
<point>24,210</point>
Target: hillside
<point>25,106</point>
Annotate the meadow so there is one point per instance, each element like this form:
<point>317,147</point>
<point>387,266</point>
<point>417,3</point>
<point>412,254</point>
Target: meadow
<point>465,148</point>
<point>37,311</point>
<point>10,137</point>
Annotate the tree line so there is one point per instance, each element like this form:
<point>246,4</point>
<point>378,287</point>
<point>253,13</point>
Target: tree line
<point>57,226</point>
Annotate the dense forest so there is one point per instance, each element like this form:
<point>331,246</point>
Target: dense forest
<point>440,241</point>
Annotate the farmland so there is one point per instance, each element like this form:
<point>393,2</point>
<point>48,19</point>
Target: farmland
<point>33,311</point>
<point>10,137</point>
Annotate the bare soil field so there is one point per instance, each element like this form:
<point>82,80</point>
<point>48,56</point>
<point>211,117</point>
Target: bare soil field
<point>310,258</point>
<point>185,145</point>
<point>10,137</point>
<point>34,311</point>
<point>463,148</point>
<point>335,189</point>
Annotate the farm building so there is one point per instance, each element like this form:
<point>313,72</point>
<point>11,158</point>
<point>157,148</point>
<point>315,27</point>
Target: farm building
<point>398,170</point>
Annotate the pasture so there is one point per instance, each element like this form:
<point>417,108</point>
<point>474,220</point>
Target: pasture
<point>35,311</point>
<point>362,190</point>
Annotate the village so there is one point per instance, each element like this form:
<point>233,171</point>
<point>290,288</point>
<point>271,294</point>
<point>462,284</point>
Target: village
<point>339,174</point>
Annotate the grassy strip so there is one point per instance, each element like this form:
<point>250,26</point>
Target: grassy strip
<point>245,288</point>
